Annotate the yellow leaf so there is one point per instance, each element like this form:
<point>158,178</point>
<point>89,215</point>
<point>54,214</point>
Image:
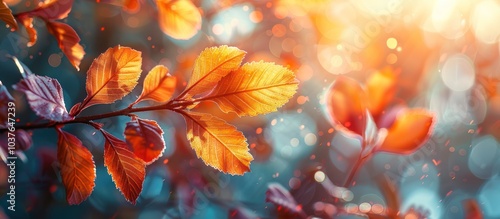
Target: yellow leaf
<point>217,143</point>
<point>158,85</point>
<point>213,64</point>
<point>6,16</point>
<point>112,76</point>
<point>256,88</point>
<point>180,19</point>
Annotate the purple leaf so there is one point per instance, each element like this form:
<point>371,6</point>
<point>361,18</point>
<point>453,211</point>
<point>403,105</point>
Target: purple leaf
<point>279,196</point>
<point>45,97</point>
<point>5,98</point>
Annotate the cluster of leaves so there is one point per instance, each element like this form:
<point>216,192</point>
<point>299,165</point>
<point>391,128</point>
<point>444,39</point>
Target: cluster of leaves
<point>251,89</point>
<point>180,19</point>
<point>50,12</point>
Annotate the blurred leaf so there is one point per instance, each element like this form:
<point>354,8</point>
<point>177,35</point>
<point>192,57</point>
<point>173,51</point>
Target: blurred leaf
<point>472,209</point>
<point>410,130</point>
<point>52,10</point>
<point>68,42</point>
<point>218,143</point>
<point>255,88</point>
<point>158,85</point>
<point>381,88</point>
<point>280,196</point>
<point>241,213</point>
<point>27,22</point>
<point>77,167</point>
<point>45,97</point>
<point>145,137</point>
<point>6,16</point>
<point>347,104</point>
<point>112,76</point>
<point>23,140</point>
<point>5,98</point>
<point>211,66</point>
<point>180,19</point>
<point>126,169</point>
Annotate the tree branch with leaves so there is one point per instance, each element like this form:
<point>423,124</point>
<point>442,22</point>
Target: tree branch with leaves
<point>250,89</point>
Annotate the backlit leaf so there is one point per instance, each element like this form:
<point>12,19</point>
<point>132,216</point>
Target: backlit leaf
<point>68,41</point>
<point>158,85</point>
<point>347,103</point>
<point>45,97</point>
<point>52,10</point>
<point>410,130</point>
<point>381,88</point>
<point>5,98</point>
<point>126,169</point>
<point>77,167</point>
<point>28,24</point>
<point>180,19</point>
<point>6,16</point>
<point>472,209</point>
<point>217,143</point>
<point>211,66</point>
<point>112,76</point>
<point>145,138</point>
<point>255,88</point>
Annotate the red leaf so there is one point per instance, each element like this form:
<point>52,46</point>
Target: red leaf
<point>68,42</point>
<point>347,104</point>
<point>145,138</point>
<point>5,98</point>
<point>126,169</point>
<point>52,10</point>
<point>45,97</point>
<point>279,196</point>
<point>410,130</point>
<point>77,167</point>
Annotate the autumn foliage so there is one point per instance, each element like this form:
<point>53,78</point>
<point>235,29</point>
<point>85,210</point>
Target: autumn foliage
<point>252,89</point>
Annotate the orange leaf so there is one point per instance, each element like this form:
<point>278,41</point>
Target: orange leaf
<point>126,169</point>
<point>68,42</point>
<point>158,85</point>
<point>180,19</point>
<point>255,88</point>
<point>52,10</point>
<point>6,16</point>
<point>145,137</point>
<point>346,102</point>
<point>410,130</point>
<point>28,24</point>
<point>112,76</point>
<point>217,143</point>
<point>381,88</point>
<point>211,66</point>
<point>77,167</point>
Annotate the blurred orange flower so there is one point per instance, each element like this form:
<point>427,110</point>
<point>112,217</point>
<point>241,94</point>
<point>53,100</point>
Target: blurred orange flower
<point>363,113</point>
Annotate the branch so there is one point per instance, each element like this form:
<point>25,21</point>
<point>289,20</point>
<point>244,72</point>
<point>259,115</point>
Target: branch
<point>171,105</point>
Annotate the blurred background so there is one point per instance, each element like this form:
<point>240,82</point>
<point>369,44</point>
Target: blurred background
<point>446,55</point>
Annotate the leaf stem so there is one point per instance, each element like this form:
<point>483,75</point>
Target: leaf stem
<point>171,105</point>
<point>357,166</point>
